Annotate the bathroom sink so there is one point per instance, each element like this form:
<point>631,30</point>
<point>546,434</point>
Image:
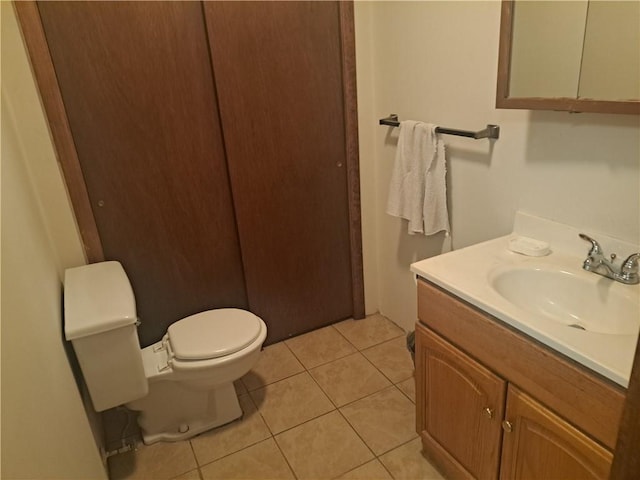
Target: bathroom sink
<point>577,299</point>
<point>591,319</point>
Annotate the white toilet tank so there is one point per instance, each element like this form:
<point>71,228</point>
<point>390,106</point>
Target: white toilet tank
<point>100,320</point>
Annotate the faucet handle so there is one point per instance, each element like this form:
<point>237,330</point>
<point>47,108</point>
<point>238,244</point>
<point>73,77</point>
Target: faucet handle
<point>629,269</point>
<point>595,246</point>
<point>630,265</point>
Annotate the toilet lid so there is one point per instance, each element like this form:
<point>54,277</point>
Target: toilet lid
<point>213,334</point>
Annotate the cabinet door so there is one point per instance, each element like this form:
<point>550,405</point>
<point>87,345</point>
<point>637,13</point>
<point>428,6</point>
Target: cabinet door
<point>278,72</point>
<point>538,444</point>
<point>138,92</point>
<point>460,406</point>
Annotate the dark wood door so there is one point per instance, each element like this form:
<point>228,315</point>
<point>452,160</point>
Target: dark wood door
<point>138,90</point>
<point>279,78</point>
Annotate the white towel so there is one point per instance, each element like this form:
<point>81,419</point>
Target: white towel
<point>417,191</point>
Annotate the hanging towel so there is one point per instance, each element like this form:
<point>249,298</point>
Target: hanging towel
<point>417,191</point>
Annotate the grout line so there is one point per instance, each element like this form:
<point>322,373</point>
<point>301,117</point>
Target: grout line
<point>359,436</point>
<point>395,448</point>
<point>387,470</point>
<point>283,342</point>
<point>366,396</point>
<point>364,319</point>
<point>285,458</point>
<point>241,419</point>
<point>403,392</point>
<point>193,452</point>
<point>234,452</point>
<point>272,382</point>
<point>305,421</point>
<point>294,353</point>
<point>322,389</point>
<point>341,334</point>
<point>320,364</point>
<point>188,471</point>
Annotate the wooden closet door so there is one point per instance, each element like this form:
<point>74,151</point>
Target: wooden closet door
<point>137,86</point>
<point>279,78</point>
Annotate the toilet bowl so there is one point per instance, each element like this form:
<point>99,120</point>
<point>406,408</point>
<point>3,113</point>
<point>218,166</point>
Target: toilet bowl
<point>182,385</point>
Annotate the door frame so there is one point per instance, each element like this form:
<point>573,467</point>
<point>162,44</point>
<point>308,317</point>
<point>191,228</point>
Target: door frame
<point>51,97</point>
<point>626,462</point>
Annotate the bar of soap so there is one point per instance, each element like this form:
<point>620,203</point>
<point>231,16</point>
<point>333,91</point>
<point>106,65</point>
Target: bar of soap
<point>529,246</point>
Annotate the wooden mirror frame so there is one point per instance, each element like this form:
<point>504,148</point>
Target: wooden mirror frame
<point>503,100</point>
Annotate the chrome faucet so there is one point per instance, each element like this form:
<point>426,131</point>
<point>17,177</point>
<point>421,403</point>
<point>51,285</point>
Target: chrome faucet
<point>596,262</point>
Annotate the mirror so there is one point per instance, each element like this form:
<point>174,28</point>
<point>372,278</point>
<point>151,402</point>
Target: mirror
<point>578,56</point>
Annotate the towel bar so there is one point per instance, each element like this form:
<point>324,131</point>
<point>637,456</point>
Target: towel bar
<point>492,131</point>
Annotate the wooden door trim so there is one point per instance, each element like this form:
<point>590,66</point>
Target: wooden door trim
<point>348,49</point>
<point>626,462</point>
<point>58,123</point>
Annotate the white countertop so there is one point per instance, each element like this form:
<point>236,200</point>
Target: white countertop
<point>466,272</point>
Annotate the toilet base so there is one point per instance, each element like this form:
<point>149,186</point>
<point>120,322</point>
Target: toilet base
<point>195,427</point>
<point>171,412</point>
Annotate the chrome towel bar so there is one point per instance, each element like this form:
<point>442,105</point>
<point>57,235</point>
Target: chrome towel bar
<point>492,131</point>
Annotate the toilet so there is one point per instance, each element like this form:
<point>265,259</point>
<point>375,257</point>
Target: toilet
<point>183,384</point>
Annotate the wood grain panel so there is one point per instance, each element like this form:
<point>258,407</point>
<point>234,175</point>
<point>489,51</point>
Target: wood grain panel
<point>58,122</point>
<point>587,400</point>
<point>452,397</point>
<point>137,85</point>
<point>279,79</point>
<point>539,434</point>
<point>626,461</point>
<point>348,48</point>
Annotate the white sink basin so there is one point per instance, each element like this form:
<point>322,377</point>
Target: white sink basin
<point>580,300</point>
<point>589,318</point>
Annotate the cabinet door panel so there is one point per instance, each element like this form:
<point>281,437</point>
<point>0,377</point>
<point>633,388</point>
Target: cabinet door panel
<point>278,74</point>
<point>454,394</point>
<point>541,445</point>
<point>547,375</point>
<point>138,91</point>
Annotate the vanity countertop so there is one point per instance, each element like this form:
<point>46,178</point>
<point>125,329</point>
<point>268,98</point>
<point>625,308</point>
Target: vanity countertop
<point>469,274</point>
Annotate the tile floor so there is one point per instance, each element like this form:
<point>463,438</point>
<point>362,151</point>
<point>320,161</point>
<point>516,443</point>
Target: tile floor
<point>334,403</point>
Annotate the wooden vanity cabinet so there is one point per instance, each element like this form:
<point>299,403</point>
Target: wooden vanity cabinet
<point>539,444</point>
<point>473,415</point>
<point>462,405</point>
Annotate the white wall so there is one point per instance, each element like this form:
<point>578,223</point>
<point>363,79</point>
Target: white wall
<point>367,134</point>
<point>45,430</point>
<point>437,62</point>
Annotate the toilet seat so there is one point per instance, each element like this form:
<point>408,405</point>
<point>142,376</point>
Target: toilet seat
<point>213,334</point>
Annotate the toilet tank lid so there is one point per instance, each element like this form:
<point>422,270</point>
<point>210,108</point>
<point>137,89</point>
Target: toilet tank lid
<point>97,298</point>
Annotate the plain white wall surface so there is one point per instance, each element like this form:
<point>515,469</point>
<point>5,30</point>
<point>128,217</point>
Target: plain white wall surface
<point>366,135</point>
<point>45,429</point>
<point>35,143</point>
<point>437,62</point>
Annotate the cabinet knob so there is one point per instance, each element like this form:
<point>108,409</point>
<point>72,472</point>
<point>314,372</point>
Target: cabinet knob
<point>488,412</point>
<point>507,426</point>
